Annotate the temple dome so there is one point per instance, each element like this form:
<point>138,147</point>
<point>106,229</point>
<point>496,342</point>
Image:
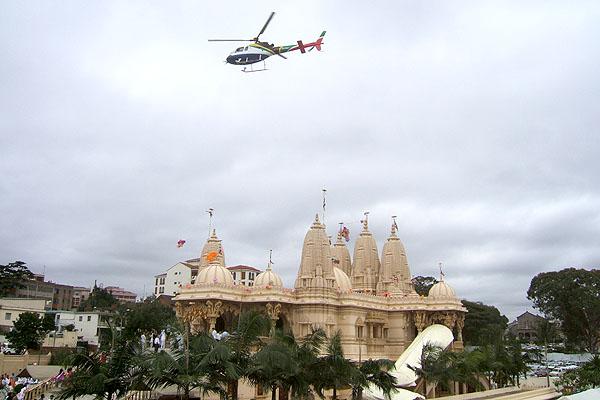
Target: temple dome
<point>342,280</point>
<point>394,275</point>
<point>441,291</point>
<point>268,278</point>
<point>316,268</point>
<point>214,273</point>
<point>212,245</point>
<point>340,255</point>
<point>365,262</point>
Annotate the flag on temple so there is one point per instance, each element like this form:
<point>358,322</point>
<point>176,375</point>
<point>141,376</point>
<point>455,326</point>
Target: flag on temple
<point>180,243</point>
<point>346,233</point>
<point>211,256</point>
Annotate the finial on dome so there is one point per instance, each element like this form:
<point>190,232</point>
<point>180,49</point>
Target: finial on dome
<point>214,234</point>
<point>210,212</point>
<point>441,272</point>
<point>365,222</point>
<point>270,260</point>
<point>317,218</point>
<point>394,227</point>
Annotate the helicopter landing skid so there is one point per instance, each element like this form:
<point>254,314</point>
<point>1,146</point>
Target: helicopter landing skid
<point>256,70</point>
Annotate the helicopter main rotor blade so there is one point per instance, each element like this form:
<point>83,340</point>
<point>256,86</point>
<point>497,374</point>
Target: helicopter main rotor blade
<point>265,27</point>
<point>282,56</point>
<point>231,40</point>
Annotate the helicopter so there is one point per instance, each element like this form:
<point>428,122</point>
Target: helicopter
<point>258,51</point>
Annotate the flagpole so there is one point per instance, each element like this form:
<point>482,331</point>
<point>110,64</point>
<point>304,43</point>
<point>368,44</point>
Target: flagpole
<point>210,215</point>
<point>324,204</point>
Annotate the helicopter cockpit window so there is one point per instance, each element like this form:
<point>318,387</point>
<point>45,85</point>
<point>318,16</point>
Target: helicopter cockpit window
<point>239,49</point>
<point>246,48</point>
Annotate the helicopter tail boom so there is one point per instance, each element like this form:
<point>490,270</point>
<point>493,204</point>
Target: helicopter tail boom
<point>316,44</point>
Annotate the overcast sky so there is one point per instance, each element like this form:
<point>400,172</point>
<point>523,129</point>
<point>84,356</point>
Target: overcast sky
<point>476,123</point>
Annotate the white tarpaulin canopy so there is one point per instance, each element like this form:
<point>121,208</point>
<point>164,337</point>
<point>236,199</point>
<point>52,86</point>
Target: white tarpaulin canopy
<point>437,335</point>
<point>592,394</point>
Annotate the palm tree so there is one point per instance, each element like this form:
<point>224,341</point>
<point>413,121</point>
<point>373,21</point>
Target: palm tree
<point>437,367</point>
<point>334,370</point>
<point>375,373</point>
<point>241,343</point>
<point>306,353</point>
<point>103,375</point>
<point>273,366</point>
<point>205,365</point>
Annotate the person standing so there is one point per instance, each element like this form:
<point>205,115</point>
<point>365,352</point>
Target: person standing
<point>156,344</point>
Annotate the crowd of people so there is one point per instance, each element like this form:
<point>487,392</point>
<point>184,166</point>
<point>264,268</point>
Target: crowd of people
<point>13,388</point>
<point>158,341</point>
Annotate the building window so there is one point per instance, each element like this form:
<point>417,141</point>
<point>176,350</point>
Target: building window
<point>251,275</point>
<point>80,319</point>
<point>234,277</point>
<point>7,316</point>
<point>243,275</point>
<point>156,281</point>
<point>155,290</point>
<point>359,331</point>
<point>89,318</point>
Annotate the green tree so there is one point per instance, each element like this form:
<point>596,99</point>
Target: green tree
<point>148,316</point>
<point>335,370</point>
<point>29,331</point>
<point>571,296</point>
<point>373,373</point>
<point>12,276</point>
<point>241,343</point>
<point>100,299</point>
<point>103,375</point>
<point>583,378</point>
<point>422,284</point>
<point>274,366</point>
<point>483,324</point>
<point>205,364</point>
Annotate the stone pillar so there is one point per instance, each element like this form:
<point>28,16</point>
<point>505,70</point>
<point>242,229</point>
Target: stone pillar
<point>273,312</point>
<point>213,311</point>
<point>420,320</point>
<point>460,324</point>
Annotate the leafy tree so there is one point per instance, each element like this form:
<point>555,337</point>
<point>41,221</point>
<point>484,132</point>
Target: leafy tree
<point>373,373</point>
<point>274,366</point>
<point>423,284</point>
<point>583,378</point>
<point>206,365</point>
<point>148,316</point>
<point>12,276</point>
<point>103,375</point>
<point>483,324</point>
<point>436,367</point>
<point>29,331</point>
<point>335,371</point>
<point>251,326</point>
<point>99,299</point>
<point>571,296</point>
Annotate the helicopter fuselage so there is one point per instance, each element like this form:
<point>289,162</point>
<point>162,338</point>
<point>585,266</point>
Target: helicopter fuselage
<point>250,54</point>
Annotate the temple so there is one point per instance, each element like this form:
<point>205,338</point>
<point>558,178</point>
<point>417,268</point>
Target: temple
<point>370,300</point>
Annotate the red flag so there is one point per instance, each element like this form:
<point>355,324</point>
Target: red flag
<point>180,243</point>
<point>346,233</point>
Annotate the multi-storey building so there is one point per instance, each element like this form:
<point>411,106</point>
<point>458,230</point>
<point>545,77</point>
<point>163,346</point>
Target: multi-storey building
<point>184,273</point>
<point>124,296</point>
<point>60,296</point>
<point>80,294</point>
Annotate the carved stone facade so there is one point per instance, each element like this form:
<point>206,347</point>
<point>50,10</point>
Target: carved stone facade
<point>376,309</point>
